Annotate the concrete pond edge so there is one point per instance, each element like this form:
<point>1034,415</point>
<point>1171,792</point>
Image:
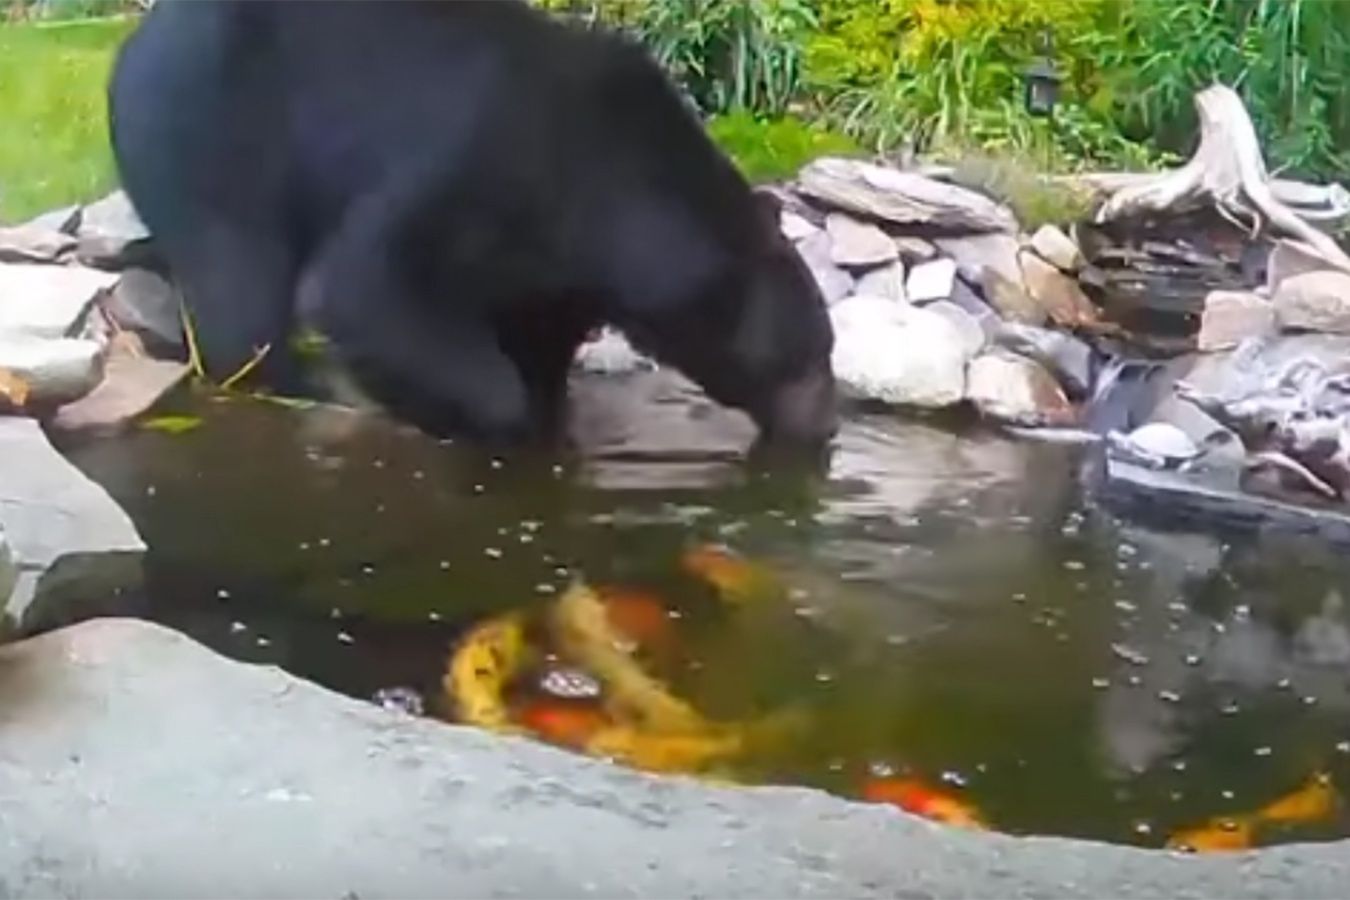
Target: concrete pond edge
<point>135,761</point>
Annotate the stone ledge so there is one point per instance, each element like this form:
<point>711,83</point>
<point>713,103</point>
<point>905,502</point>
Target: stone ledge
<point>135,762</point>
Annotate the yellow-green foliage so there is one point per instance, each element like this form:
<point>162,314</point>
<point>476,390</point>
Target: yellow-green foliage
<point>53,120</point>
<point>772,149</point>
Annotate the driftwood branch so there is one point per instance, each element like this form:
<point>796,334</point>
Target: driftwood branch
<point>1228,172</point>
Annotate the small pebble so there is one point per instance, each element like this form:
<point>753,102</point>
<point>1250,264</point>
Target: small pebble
<point>1309,700</point>
<point>1169,696</point>
<point>237,627</point>
<point>1284,684</point>
<point>496,463</point>
<point>492,553</point>
<point>222,594</point>
<point>1143,829</point>
<point>345,638</point>
<point>1192,659</point>
<point>367,569</point>
<point>263,642</point>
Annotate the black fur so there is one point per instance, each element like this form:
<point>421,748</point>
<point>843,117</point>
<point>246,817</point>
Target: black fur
<point>458,192</point>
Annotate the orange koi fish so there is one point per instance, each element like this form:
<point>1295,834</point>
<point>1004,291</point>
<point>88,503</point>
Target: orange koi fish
<point>638,615</point>
<point>561,722</point>
<point>918,798</point>
<point>1314,801</point>
<point>1222,835</point>
<point>737,579</point>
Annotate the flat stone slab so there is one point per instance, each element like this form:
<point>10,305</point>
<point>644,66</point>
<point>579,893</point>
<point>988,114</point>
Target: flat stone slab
<point>64,531</point>
<point>137,763</point>
<point>131,385</point>
<point>1176,495</point>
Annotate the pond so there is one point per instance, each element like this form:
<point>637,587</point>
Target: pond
<point>954,611</point>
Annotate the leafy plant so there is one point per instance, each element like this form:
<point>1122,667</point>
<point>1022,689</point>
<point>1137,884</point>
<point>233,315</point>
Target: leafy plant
<point>768,149</point>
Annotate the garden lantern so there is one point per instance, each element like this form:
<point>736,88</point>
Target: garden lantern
<point>1042,87</point>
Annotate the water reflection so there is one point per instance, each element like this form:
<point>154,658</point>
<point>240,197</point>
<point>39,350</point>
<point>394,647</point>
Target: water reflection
<point>954,607</point>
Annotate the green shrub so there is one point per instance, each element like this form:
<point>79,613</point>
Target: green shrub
<point>773,149</point>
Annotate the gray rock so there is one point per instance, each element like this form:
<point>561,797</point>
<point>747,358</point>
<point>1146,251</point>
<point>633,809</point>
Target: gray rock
<point>1013,389</point>
<point>111,234</point>
<point>1011,299</point>
<point>931,281</point>
<point>69,541</point>
<point>34,243</point>
<point>835,284</point>
<point>1314,301</point>
<point>794,227</point>
<point>897,354</point>
<point>106,722</point>
<point>968,300</point>
<point>47,301</point>
<point>1056,248</point>
<point>902,198</point>
<point>1067,357</point>
<point>66,219</point>
<point>1231,317</point>
<point>855,244</point>
<point>1158,445</point>
<point>1056,293</point>
<point>148,304</point>
<point>56,370</point>
<point>972,333</point>
<point>887,282</point>
<point>977,252</point>
<point>914,249</point>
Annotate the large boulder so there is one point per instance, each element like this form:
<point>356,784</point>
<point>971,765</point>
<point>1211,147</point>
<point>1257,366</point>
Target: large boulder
<point>898,354</point>
<point>1314,301</point>
<point>70,543</point>
<point>47,301</point>
<point>1069,359</point>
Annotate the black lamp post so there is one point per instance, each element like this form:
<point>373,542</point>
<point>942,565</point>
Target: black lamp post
<point>1041,80</point>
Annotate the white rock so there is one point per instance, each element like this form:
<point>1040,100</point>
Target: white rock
<point>1314,301</point>
<point>1056,248</point>
<point>931,281</point>
<point>56,370</point>
<point>47,301</point>
<point>887,281</point>
<point>858,244</point>
<point>1016,390</point>
<point>794,227</point>
<point>914,249</point>
<point>897,353</point>
<point>972,332</point>
<point>611,354</point>
<point>1230,317</point>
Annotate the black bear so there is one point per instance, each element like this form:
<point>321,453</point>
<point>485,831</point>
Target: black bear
<point>458,192</point>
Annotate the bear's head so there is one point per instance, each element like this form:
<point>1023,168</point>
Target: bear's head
<point>745,320</point>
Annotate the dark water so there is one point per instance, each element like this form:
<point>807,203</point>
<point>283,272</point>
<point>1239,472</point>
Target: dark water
<point>957,609</point>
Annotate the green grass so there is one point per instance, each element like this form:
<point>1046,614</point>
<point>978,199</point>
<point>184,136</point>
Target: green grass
<point>53,120</point>
<point>772,149</point>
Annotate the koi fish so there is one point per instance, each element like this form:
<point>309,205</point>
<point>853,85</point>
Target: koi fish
<point>582,630</point>
<point>561,722</point>
<point>918,798</point>
<point>638,615</point>
<point>736,579</point>
<point>483,664</point>
<point>667,753</point>
<point>1222,835</point>
<point>1314,801</point>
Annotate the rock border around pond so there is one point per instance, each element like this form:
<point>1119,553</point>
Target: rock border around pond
<point>118,780</point>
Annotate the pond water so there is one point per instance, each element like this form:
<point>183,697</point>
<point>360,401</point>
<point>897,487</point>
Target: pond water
<point>955,609</point>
